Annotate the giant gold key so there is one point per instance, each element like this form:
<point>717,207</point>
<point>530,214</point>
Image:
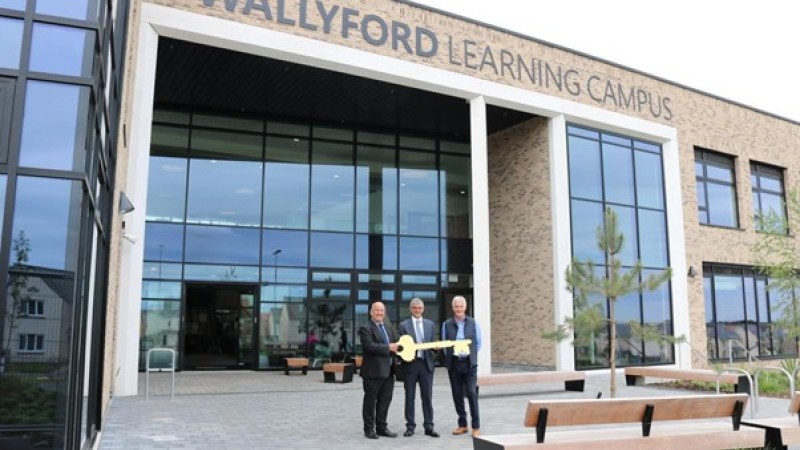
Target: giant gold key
<point>408,348</point>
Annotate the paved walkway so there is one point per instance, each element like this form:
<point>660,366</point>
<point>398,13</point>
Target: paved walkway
<point>269,410</point>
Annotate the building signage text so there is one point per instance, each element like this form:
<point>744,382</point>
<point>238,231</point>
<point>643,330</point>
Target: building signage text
<point>322,17</point>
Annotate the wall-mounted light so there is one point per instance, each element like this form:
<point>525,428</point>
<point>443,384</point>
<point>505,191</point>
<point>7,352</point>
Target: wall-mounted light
<point>692,272</point>
<point>125,205</point>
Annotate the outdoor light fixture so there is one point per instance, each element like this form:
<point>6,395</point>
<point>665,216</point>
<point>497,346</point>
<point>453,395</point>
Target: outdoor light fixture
<point>125,205</point>
<point>692,272</point>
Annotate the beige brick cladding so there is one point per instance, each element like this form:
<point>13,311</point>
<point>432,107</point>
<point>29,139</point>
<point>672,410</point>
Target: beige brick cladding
<point>521,245</point>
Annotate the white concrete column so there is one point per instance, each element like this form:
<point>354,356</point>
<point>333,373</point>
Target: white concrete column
<point>562,244</point>
<point>129,296</point>
<point>480,230</point>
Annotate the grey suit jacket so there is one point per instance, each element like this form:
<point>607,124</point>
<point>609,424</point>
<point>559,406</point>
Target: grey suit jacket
<point>428,329</point>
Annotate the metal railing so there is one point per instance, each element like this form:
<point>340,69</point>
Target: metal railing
<point>774,369</point>
<point>749,381</point>
<point>159,360</point>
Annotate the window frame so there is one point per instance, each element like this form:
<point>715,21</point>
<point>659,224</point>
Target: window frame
<point>25,341</point>
<point>759,171</point>
<point>708,158</point>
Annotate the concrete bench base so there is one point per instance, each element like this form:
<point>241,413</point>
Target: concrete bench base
<point>330,370</point>
<point>296,364</point>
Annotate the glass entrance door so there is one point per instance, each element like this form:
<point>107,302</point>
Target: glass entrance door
<point>219,326</point>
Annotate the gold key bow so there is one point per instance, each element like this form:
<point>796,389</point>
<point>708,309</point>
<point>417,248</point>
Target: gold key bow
<point>408,348</point>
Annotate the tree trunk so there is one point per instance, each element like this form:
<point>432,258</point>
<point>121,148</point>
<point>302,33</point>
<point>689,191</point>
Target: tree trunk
<point>612,350</point>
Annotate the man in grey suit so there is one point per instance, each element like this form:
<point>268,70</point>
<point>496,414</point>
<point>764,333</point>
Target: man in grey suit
<point>420,369</point>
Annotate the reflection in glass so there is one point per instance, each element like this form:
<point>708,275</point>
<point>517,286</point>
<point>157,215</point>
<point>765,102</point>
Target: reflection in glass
<point>283,292</point>
<point>11,37</point>
<point>61,50</point>
<point>285,248</point>
<point>224,192</point>
<point>376,190</point>
<point>54,128</point>
<point>585,179</point>
<point>43,216</point>
<point>586,217</point>
<point>332,250</point>
<point>455,190</point>
<point>222,245</point>
<point>419,208</point>
<point>618,174</point>
<point>419,254</point>
<point>204,272</point>
<point>73,9</point>
<point>286,183</point>
<point>332,187</point>
<point>649,180</point>
<point>161,289</point>
<point>376,252</point>
<point>169,141</point>
<point>626,223</point>
<point>653,238</point>
<point>166,189</point>
<point>280,333</point>
<point>163,242</point>
<point>161,270</point>
<point>160,326</point>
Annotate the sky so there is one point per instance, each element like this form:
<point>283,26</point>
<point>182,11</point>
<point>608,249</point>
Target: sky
<point>741,50</point>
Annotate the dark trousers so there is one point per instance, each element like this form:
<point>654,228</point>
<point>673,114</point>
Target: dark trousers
<point>464,382</point>
<point>377,398</point>
<point>417,372</point>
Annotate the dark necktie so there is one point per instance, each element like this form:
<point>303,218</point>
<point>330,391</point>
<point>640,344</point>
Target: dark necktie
<point>383,333</point>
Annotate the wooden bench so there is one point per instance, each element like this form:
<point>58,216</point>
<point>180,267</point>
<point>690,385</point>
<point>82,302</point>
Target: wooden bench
<point>573,380</point>
<point>780,431</point>
<point>663,423</point>
<point>331,369</point>
<point>357,360</point>
<point>635,376</point>
<point>296,364</point>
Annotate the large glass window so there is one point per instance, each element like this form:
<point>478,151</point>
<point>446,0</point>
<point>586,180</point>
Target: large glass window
<point>716,189</point>
<point>11,37</point>
<point>611,171</point>
<point>743,316</point>
<point>61,50</point>
<point>54,129</point>
<point>307,212</point>
<point>768,195</point>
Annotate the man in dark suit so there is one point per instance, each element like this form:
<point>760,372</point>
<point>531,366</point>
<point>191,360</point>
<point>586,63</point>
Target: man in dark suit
<point>379,344</point>
<point>420,369</point>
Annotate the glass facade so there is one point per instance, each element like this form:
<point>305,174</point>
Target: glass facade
<point>59,100</point>
<point>321,220</point>
<point>743,316</point>
<point>625,174</point>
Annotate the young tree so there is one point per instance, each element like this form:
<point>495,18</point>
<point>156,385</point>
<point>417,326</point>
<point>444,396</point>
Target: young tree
<point>587,281</point>
<point>19,290</point>
<point>777,256</point>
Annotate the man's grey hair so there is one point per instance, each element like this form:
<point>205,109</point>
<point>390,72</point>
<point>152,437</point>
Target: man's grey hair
<point>416,301</point>
<point>459,298</point>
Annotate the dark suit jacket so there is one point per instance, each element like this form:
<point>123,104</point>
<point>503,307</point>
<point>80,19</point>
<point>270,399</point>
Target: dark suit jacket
<point>378,361</point>
<point>429,331</point>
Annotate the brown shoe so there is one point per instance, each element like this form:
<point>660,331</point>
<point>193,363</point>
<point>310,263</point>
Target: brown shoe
<point>460,430</point>
<point>476,432</point>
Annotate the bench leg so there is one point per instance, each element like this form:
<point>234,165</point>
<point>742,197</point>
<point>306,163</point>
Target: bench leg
<point>743,386</point>
<point>347,375</point>
<point>330,377</point>
<point>305,370</point>
<point>574,385</point>
<point>634,380</point>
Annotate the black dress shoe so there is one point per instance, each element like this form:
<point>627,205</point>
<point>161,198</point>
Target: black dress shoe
<point>431,433</point>
<point>408,433</point>
<point>386,433</point>
<point>370,435</point>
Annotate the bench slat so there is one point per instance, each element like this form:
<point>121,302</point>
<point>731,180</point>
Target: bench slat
<point>530,377</point>
<point>681,374</point>
<point>628,410</point>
